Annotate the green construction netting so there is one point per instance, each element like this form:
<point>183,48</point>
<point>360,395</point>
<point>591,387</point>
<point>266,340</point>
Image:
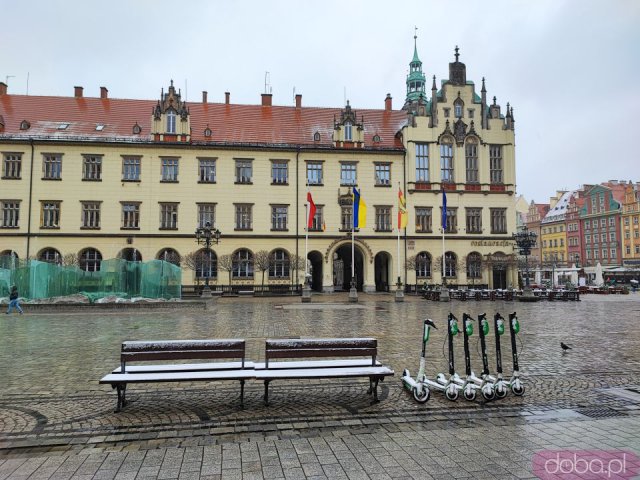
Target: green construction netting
<point>116,277</point>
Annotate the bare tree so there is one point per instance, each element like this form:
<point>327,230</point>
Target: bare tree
<point>262,262</point>
<point>193,260</point>
<point>296,264</point>
<point>225,263</point>
<point>70,260</point>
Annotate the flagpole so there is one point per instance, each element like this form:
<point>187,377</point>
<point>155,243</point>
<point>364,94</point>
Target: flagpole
<point>306,241</point>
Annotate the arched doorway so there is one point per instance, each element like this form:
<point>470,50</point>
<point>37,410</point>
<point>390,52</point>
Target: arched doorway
<point>130,254</point>
<point>499,264</point>
<point>382,271</point>
<point>315,258</point>
<point>342,268</point>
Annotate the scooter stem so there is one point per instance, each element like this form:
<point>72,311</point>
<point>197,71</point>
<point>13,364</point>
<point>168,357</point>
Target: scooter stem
<point>514,349</point>
<point>496,318</point>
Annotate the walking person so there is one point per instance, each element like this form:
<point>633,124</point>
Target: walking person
<point>14,300</point>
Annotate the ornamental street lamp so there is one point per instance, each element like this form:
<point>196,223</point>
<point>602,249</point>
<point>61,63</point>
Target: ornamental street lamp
<point>525,240</point>
<point>206,236</point>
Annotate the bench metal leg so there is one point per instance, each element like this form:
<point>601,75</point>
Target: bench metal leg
<point>266,392</point>
<point>373,382</point>
<point>241,393</point>
<point>122,391</point>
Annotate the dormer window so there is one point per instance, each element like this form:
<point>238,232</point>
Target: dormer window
<point>316,137</point>
<point>25,125</point>
<point>171,121</point>
<point>348,135</point>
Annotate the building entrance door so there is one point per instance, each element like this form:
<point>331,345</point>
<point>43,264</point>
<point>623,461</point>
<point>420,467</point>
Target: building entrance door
<point>342,268</point>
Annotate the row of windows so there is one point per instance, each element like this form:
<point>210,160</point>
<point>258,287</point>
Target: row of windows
<point>595,254</point>
<point>169,168</point>
<point>603,222</point>
<point>473,263</point>
<point>636,234</point>
<point>130,217</point>
<point>602,237</point>
<point>626,221</point>
<point>637,250</point>
<point>447,173</point>
<point>553,243</point>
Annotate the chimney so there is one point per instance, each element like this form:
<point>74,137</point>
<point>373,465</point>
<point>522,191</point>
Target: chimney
<point>227,97</point>
<point>204,96</point>
<point>266,99</point>
<point>3,88</point>
<point>104,93</point>
<point>298,101</point>
<point>387,103</point>
<point>77,92</point>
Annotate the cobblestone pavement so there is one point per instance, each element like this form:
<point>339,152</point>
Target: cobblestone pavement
<point>57,422</point>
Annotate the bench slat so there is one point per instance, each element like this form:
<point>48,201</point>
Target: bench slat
<point>186,367</point>
<point>347,362</point>
<point>321,352</point>
<point>118,378</point>
<point>269,374</point>
<point>180,355</point>
<point>182,345</point>
<point>297,343</point>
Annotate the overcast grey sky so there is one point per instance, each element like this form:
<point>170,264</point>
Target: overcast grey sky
<point>570,69</point>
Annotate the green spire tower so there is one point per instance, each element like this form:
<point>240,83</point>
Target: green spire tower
<point>415,80</point>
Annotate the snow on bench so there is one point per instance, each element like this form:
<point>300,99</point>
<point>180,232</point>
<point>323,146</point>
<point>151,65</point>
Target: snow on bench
<point>337,367</point>
<point>153,351</point>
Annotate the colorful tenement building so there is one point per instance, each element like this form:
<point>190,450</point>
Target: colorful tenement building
<point>95,178</point>
<point>630,221</point>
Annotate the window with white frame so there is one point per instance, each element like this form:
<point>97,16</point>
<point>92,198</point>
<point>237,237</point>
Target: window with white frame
<point>50,255</point>
<point>206,264</point>
<point>168,216</point>
<point>90,260</point>
<point>474,220</point>
<point>10,210</point>
<point>171,121</point>
<point>243,216</point>
<point>348,173</point>
<point>474,265</point>
<point>279,266</point>
<point>423,219</point>
<point>92,167</point>
<point>244,171</point>
<point>130,215</point>
<point>498,220</point>
<point>423,265</point>
<point>90,215</point>
<point>12,165</point>
<point>422,162</point>
<point>279,172</point>
<point>446,162</point>
<point>169,169</point>
<point>51,166</point>
<point>383,218</point>
<point>318,219</point>
<point>279,215</point>
<point>346,217</point>
<point>206,214</point>
<point>50,214</point>
<point>348,134</point>
<point>495,164</point>
<point>383,174</point>
<point>207,170</point>
<point>471,160</point>
<point>314,173</point>
<point>131,169</point>
<point>452,219</point>
<point>242,264</point>
<point>450,264</point>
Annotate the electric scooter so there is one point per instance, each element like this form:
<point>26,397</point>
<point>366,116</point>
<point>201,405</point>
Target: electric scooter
<point>517,386</point>
<point>501,385</point>
<point>486,381</point>
<point>421,386</point>
<point>467,385</point>
<point>442,383</point>
<point>418,387</point>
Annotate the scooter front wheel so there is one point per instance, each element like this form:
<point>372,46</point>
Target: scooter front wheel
<point>451,393</point>
<point>469,394</point>
<point>421,396</point>
<point>488,393</point>
<point>518,389</point>
<point>501,391</point>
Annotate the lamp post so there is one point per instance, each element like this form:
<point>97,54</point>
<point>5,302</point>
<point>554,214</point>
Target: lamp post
<point>206,236</point>
<point>525,240</point>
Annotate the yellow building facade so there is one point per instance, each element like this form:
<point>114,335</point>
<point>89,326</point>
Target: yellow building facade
<point>630,221</point>
<point>93,178</point>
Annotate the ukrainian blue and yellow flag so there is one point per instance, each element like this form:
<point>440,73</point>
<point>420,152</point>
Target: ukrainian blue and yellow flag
<point>359,210</point>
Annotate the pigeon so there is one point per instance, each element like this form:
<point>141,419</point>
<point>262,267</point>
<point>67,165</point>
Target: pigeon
<point>564,346</point>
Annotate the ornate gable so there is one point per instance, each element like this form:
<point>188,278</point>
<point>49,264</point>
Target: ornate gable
<point>170,117</point>
<point>348,131</point>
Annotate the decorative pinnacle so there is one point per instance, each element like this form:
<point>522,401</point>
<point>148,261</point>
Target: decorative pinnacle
<point>483,89</point>
<point>457,54</point>
<point>433,87</point>
<point>494,99</point>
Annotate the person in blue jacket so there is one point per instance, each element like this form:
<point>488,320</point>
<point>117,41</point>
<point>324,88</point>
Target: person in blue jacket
<point>14,300</point>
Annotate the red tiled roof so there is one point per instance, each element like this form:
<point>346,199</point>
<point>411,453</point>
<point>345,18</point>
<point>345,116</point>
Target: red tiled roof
<point>230,123</point>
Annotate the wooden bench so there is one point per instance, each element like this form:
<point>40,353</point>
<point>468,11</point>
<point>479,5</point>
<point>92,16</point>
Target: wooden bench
<point>338,367</point>
<point>154,351</point>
